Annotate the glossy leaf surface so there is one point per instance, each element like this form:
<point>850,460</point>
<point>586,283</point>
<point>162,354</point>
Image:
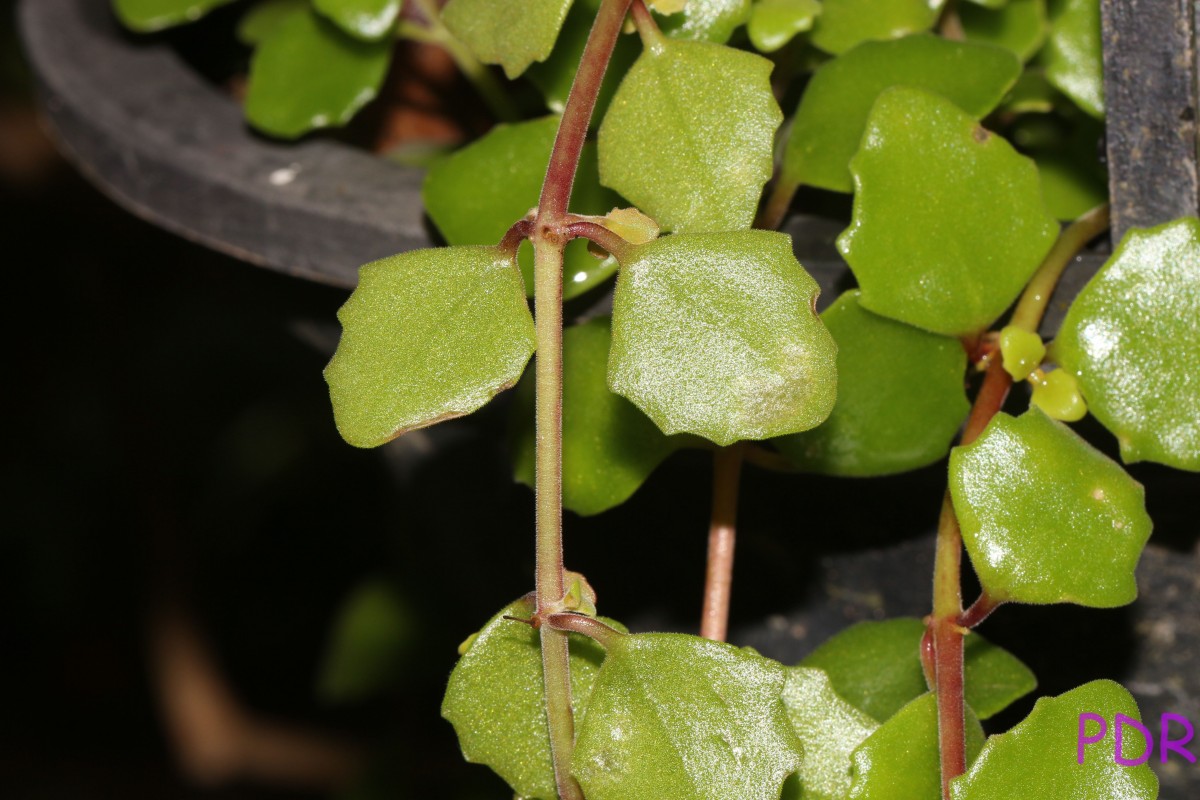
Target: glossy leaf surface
<point>669,125</point>
<point>511,33</point>
<point>706,20</point>
<point>147,16</point>
<point>261,20</point>
<point>428,335</point>
<point>829,729</point>
<point>876,667</point>
<point>845,23</point>
<point>686,718</point>
<point>1131,338</point>
<point>949,222</point>
<point>1038,757</point>
<point>609,447</point>
<point>900,761</point>
<point>833,112</point>
<point>1046,517</point>
<point>773,23</point>
<point>307,74</point>
<point>366,19</point>
<point>715,334</point>
<point>369,639</point>
<point>900,397</point>
<point>1020,26</point>
<point>497,705</point>
<point>1072,55</point>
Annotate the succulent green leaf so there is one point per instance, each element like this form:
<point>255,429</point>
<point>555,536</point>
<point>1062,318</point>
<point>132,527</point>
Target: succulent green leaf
<point>1131,339</point>
<point>901,761</point>
<point>511,33</point>
<point>949,222</point>
<point>876,667</point>
<point>1020,26</point>
<point>1039,756</point>
<point>1021,351</point>
<point>261,20</point>
<point>1046,517</point>
<point>476,194</point>
<point>609,447</point>
<point>829,730</point>
<point>366,19</point>
<point>832,114</point>
<point>308,74</point>
<point>428,335</point>
<point>686,718</point>
<point>148,16</point>
<point>1071,185</point>
<point>846,23</point>
<point>989,3</point>
<point>715,334</point>
<point>706,20</point>
<point>1057,393</point>
<point>369,639</point>
<point>1072,55</point>
<point>900,397</point>
<point>773,23</point>
<point>497,705</point>
<point>669,125</point>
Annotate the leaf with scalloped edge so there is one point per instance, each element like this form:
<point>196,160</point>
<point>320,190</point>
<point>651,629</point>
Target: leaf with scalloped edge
<point>715,334</point>
<point>497,705</point>
<point>148,16</point>
<point>829,730</point>
<point>680,717</point>
<point>669,124</point>
<point>365,19</point>
<point>1131,338</point>
<point>428,335</point>
<point>1020,26</point>
<point>1039,756</point>
<point>706,20</point>
<point>949,222</point>
<point>774,23</point>
<point>832,114</point>
<point>900,398</point>
<point>846,23</point>
<point>1045,516</point>
<point>1072,55</point>
<point>511,33</point>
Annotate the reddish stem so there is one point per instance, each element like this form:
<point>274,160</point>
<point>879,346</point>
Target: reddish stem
<point>588,626</point>
<point>989,401</point>
<point>600,235</point>
<point>947,639</point>
<point>722,537</point>
<point>980,610</point>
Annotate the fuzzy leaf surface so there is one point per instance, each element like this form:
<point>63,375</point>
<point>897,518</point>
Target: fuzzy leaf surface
<point>365,19</point>
<point>1038,757</point>
<point>1072,55</point>
<point>846,23</point>
<point>428,335</point>
<point>1020,26</point>
<point>148,16</point>
<point>1045,516</point>
<point>474,195</point>
<point>829,729</point>
<point>876,667</point>
<point>687,718</point>
<point>1131,338</point>
<point>715,334</point>
<point>511,33</point>
<point>949,222</point>
<point>308,74</point>
<point>774,23</point>
<point>370,636</point>
<point>666,143</point>
<point>609,447</point>
<point>706,20</point>
<point>497,705</point>
<point>900,397</point>
<point>833,112</point>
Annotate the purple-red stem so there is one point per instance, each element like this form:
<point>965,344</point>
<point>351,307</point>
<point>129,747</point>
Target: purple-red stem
<point>722,538</point>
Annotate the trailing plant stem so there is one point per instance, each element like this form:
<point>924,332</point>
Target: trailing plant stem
<point>1036,297</point>
<point>783,191</point>
<point>722,537</point>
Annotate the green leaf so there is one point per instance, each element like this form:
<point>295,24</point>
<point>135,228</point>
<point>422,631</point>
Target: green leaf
<point>497,705</point>
<point>900,397</point>
<point>511,33</point>
<point>674,716</point>
<point>845,23</point>
<point>669,125</point>
<point>901,761</point>
<point>949,222</point>
<point>609,447</point>
<point>715,334</point>
<point>147,16</point>
<point>262,19</point>
<point>833,112</point>
<point>829,730</point>
<point>1131,338</point>
<point>475,195</point>
<point>1039,757</point>
<point>366,19</point>
<point>368,643</point>
<point>1072,55</point>
<point>773,23</point>
<point>706,20</point>
<point>876,667</point>
<point>428,335</point>
<point>308,74</point>
<point>1071,185</point>
<point>1046,517</point>
<point>1019,26</point>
